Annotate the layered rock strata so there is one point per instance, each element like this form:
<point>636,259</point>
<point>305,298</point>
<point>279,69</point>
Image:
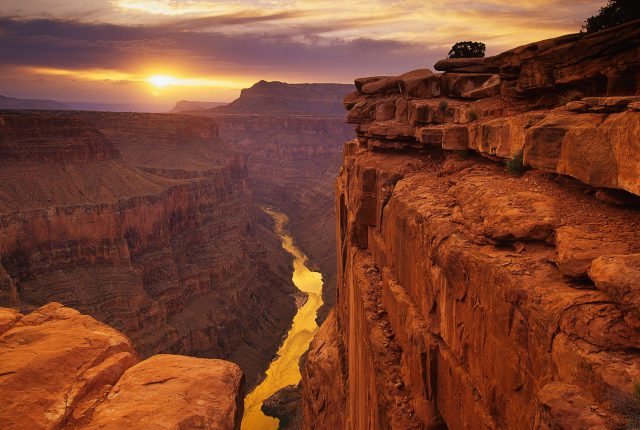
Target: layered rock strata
<point>61,369</point>
<point>147,223</point>
<point>470,297</point>
<point>292,135</point>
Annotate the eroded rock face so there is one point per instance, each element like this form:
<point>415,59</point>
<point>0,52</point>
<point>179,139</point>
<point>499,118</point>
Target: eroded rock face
<point>160,239</point>
<point>62,369</point>
<point>567,103</point>
<point>293,156</point>
<point>285,405</point>
<point>463,322</point>
<point>471,297</point>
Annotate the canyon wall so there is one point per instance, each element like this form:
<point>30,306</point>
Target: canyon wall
<point>61,369</point>
<point>474,296</point>
<point>292,135</point>
<point>147,223</point>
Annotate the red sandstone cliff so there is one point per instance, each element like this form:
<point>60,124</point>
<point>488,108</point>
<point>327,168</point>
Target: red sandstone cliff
<point>147,223</point>
<point>473,298</point>
<point>61,369</point>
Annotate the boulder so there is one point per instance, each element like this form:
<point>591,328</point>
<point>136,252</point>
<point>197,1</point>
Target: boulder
<point>389,84</point>
<point>360,82</point>
<point>351,99</point>
<point>576,249</point>
<point>455,138</point>
<point>490,88</point>
<point>564,406</point>
<point>455,84</point>
<point>502,137</point>
<point>53,360</point>
<point>421,83</point>
<point>386,109</point>
<point>619,277</point>
<point>173,392</point>
<point>464,65</point>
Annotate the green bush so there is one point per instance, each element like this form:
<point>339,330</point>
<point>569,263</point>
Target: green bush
<point>467,49</point>
<point>516,165</point>
<point>616,12</point>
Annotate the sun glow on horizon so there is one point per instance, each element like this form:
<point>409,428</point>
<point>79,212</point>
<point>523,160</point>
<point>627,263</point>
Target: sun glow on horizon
<point>156,80</point>
<point>161,81</point>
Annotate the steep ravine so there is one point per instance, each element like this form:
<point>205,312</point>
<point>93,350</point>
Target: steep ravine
<point>292,136</point>
<point>475,296</point>
<point>284,371</point>
<point>146,222</point>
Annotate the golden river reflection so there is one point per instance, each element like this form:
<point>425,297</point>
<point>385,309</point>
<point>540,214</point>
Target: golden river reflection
<point>284,369</point>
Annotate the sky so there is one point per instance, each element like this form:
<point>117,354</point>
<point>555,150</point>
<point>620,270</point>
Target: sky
<point>155,52</point>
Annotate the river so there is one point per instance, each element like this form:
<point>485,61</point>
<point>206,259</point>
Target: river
<point>284,369</point>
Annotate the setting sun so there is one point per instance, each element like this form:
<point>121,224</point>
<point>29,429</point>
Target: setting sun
<point>162,81</point>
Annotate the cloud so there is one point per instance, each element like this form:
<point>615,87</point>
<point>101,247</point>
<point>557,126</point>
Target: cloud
<point>249,40</point>
<point>72,44</point>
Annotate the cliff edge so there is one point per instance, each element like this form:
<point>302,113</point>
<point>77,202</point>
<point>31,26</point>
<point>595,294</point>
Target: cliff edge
<point>61,369</point>
<point>488,245</point>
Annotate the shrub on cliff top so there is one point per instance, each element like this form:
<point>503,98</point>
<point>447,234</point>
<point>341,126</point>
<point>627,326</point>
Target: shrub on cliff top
<point>467,50</point>
<point>516,165</point>
<point>616,12</point>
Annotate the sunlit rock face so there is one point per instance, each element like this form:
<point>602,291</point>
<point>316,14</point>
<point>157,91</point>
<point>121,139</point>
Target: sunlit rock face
<point>63,369</point>
<point>472,297</point>
<point>292,136</point>
<point>145,222</point>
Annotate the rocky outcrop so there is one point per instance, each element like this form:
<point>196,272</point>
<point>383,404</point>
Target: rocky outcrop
<point>61,369</point>
<point>475,297</point>
<point>292,160</point>
<point>285,406</point>
<point>147,223</point>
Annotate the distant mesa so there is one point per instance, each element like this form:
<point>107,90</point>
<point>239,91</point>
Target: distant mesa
<point>15,103</point>
<point>190,105</point>
<point>36,104</point>
<point>277,98</point>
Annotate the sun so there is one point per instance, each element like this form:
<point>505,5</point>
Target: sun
<point>161,81</point>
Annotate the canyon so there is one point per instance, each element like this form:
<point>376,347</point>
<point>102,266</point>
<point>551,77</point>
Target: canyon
<point>292,135</point>
<point>487,231</point>
<point>145,222</point>
<point>478,255</point>
<point>149,222</point>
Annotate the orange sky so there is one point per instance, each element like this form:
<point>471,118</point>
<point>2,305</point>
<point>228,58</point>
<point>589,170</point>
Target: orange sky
<point>154,52</point>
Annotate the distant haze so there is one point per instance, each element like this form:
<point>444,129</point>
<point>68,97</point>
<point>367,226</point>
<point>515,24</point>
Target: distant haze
<point>156,52</point>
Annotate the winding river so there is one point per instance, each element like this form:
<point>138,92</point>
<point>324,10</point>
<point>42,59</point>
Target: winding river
<point>284,369</point>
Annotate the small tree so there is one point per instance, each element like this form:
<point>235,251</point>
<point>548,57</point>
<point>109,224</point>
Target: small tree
<point>616,12</point>
<point>467,50</point>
